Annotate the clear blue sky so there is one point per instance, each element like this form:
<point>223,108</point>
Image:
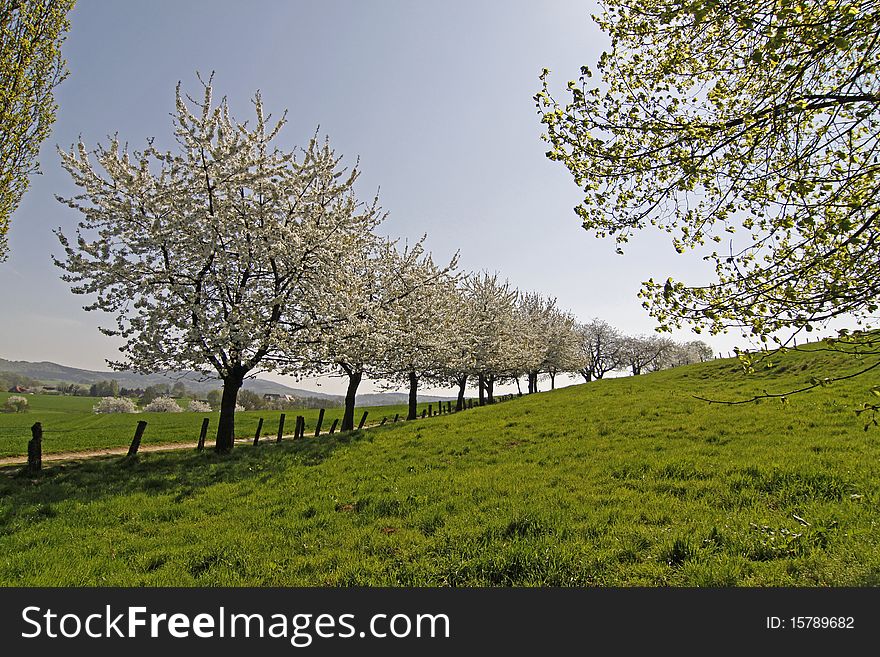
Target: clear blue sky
<point>434,97</point>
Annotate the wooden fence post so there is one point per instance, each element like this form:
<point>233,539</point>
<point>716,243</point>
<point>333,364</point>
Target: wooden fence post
<point>300,427</point>
<point>430,410</point>
<point>280,427</point>
<point>35,448</point>
<point>136,441</point>
<point>384,420</point>
<point>320,422</point>
<point>333,426</point>
<point>424,412</point>
<point>203,434</point>
<point>363,420</point>
<point>448,407</point>
<point>396,415</point>
<point>259,431</point>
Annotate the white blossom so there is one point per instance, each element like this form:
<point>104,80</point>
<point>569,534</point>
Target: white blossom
<point>196,406</point>
<point>115,405</point>
<point>15,404</point>
<point>217,256</point>
<point>163,405</point>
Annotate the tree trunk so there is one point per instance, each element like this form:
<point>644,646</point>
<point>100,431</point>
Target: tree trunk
<point>462,385</point>
<point>481,384</point>
<point>490,389</point>
<point>354,380</point>
<point>413,392</point>
<point>552,380</point>
<point>226,425</point>
<point>518,389</point>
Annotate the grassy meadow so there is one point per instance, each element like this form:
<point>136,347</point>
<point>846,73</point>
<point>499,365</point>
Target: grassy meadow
<point>625,482</point>
<point>70,425</point>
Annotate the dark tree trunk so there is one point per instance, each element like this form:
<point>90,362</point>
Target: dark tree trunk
<point>226,425</point>
<point>587,374</point>
<point>354,380</point>
<point>462,385</point>
<point>413,398</point>
<point>518,389</point>
<point>552,380</point>
<point>481,384</point>
<point>490,389</point>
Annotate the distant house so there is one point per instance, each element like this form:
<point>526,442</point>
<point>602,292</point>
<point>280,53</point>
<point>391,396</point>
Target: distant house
<point>21,389</point>
<point>272,396</point>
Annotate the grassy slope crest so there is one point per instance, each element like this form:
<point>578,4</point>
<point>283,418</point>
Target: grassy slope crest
<point>626,481</point>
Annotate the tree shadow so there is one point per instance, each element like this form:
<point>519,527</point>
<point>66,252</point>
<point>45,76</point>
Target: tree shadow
<point>183,472</point>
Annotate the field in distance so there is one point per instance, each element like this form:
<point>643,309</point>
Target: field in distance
<point>70,425</point>
<point>628,481</point>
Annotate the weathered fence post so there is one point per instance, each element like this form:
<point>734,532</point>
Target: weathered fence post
<point>259,431</point>
<point>136,441</point>
<point>448,407</point>
<point>203,434</point>
<point>35,448</point>
<point>333,426</point>
<point>430,410</point>
<point>300,427</point>
<point>363,420</point>
<point>320,422</point>
<point>280,427</point>
<point>424,412</point>
<point>384,420</point>
<point>396,415</point>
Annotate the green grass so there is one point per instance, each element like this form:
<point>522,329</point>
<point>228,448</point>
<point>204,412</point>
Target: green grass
<point>628,482</point>
<point>69,424</point>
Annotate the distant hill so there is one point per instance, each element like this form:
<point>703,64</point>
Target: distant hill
<point>48,372</point>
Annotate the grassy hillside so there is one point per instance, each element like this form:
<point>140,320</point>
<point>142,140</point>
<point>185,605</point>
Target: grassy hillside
<point>626,481</point>
<point>69,424</point>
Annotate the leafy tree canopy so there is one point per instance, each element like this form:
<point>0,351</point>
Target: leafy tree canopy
<point>31,66</point>
<point>745,129</point>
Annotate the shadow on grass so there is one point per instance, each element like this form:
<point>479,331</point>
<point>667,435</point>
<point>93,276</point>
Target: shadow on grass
<point>183,472</point>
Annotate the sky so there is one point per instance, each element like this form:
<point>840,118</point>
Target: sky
<point>434,99</point>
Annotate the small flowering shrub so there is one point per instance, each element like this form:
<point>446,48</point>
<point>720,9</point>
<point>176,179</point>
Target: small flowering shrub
<point>15,404</point>
<point>196,406</point>
<point>115,405</point>
<point>163,405</point>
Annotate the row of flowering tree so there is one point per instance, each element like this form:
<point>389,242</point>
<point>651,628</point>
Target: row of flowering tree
<point>230,256</point>
<point>603,349</point>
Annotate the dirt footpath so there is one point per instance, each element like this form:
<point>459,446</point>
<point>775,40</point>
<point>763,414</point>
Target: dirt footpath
<point>111,451</point>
